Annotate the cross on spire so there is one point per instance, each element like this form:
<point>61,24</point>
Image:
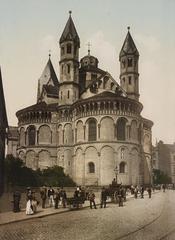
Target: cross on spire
<point>89,45</point>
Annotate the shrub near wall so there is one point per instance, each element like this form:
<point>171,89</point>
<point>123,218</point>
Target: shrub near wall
<point>17,174</point>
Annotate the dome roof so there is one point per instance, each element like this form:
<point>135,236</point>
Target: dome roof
<point>88,61</point>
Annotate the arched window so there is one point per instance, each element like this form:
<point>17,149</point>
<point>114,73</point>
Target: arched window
<point>129,62</point>
<point>68,68</point>
<point>123,63</point>
<point>130,80</point>
<point>31,135</point>
<point>68,94</point>
<point>122,167</point>
<point>69,48</point>
<point>121,129</point>
<point>92,130</point>
<point>122,153</point>
<point>91,166</point>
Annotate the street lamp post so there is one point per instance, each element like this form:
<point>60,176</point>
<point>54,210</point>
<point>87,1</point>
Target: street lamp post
<point>116,172</point>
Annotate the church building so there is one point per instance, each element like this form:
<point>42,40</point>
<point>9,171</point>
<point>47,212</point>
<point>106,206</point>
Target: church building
<point>86,122</point>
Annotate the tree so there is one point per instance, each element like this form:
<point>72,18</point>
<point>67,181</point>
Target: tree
<point>17,174</point>
<point>160,177</point>
<point>55,176</point>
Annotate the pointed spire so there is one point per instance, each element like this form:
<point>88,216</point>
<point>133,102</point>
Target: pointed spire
<point>48,77</point>
<point>129,46</point>
<point>3,114</point>
<point>70,32</point>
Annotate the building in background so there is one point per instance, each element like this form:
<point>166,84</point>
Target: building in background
<point>164,156</point>
<point>12,138</point>
<point>3,132</point>
<point>85,121</point>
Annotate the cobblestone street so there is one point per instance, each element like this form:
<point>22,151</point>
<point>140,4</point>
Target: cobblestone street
<point>138,219</point>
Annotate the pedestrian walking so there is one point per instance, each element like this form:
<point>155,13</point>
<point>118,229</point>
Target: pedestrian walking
<point>135,192</point>
<point>29,207</point>
<point>91,198</point>
<point>64,198</point>
<point>51,196</point>
<point>120,196</point>
<point>28,193</point>
<point>103,198</point>
<point>163,187</point>
<point>16,201</point>
<point>57,197</point>
<point>34,203</point>
<point>43,194</point>
<point>87,193</point>
<point>149,191</point>
<point>132,189</point>
<point>142,191</point>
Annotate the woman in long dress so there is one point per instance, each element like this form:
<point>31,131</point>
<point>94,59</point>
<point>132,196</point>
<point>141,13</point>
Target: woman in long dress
<point>29,208</point>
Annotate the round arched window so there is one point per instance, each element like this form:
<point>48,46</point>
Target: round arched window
<point>122,167</point>
<point>91,166</point>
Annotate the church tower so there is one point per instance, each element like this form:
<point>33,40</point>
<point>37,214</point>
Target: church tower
<point>69,64</point>
<point>129,76</point>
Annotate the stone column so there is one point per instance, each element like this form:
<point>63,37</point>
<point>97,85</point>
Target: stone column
<point>84,129</point>
<point>99,169</point>
<point>84,170</point>
<point>99,125</point>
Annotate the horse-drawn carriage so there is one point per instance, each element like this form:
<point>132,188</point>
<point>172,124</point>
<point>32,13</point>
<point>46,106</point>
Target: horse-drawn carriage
<point>77,201</point>
<point>117,192</point>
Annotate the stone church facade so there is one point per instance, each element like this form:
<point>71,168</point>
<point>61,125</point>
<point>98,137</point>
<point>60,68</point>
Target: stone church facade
<point>85,121</point>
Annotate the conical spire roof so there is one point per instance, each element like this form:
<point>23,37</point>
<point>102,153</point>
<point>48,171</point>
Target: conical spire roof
<point>49,74</point>
<point>70,32</point>
<point>3,114</point>
<point>48,77</point>
<point>129,46</point>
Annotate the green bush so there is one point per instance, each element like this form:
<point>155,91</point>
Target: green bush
<point>55,176</point>
<point>17,174</point>
<point>160,177</point>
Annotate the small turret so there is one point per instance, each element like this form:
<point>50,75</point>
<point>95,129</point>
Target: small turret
<point>129,76</point>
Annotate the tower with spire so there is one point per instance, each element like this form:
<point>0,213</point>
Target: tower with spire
<point>129,75</point>
<point>69,64</point>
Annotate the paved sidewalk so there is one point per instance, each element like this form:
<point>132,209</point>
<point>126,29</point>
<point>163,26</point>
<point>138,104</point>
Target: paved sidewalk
<point>10,217</point>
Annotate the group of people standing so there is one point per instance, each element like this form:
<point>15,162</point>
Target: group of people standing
<point>136,190</point>
<point>55,197</point>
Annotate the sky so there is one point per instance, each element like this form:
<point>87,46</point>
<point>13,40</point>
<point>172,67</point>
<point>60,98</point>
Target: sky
<point>29,29</point>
